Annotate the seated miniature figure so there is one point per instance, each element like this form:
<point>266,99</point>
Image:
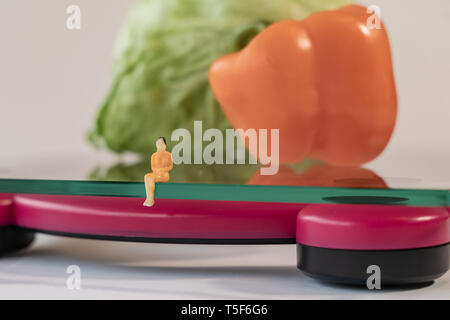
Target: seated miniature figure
<point>161,164</point>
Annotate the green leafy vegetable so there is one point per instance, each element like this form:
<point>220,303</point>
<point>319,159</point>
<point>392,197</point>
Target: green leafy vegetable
<point>160,67</point>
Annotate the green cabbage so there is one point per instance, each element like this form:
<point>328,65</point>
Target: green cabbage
<point>161,62</point>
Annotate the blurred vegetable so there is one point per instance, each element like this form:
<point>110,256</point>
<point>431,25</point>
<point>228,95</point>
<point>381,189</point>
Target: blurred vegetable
<point>321,175</point>
<point>325,82</point>
<point>160,67</point>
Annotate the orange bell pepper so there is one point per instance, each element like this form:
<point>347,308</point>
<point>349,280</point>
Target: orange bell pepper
<point>325,82</point>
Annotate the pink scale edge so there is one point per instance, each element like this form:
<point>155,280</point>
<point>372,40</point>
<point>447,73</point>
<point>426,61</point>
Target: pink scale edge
<point>334,226</point>
<point>179,219</point>
<point>372,227</point>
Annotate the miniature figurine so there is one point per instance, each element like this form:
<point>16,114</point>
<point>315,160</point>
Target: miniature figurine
<point>161,163</point>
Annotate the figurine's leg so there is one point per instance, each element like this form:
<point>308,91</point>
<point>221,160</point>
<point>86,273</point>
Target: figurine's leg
<point>149,189</point>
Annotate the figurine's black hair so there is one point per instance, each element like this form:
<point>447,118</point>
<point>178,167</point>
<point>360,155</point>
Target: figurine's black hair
<point>164,139</point>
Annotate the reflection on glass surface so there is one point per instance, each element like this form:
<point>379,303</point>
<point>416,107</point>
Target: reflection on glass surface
<point>215,173</point>
<point>306,173</point>
<point>322,175</point>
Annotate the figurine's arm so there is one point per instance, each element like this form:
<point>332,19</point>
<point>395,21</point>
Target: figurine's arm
<point>171,162</point>
<point>153,161</point>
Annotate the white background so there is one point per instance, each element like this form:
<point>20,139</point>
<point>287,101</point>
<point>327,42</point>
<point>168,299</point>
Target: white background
<point>51,83</point>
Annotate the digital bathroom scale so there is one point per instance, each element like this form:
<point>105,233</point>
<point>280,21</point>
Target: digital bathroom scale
<point>339,231</point>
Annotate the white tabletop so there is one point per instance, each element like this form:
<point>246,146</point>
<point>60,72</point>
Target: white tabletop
<point>119,270</point>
